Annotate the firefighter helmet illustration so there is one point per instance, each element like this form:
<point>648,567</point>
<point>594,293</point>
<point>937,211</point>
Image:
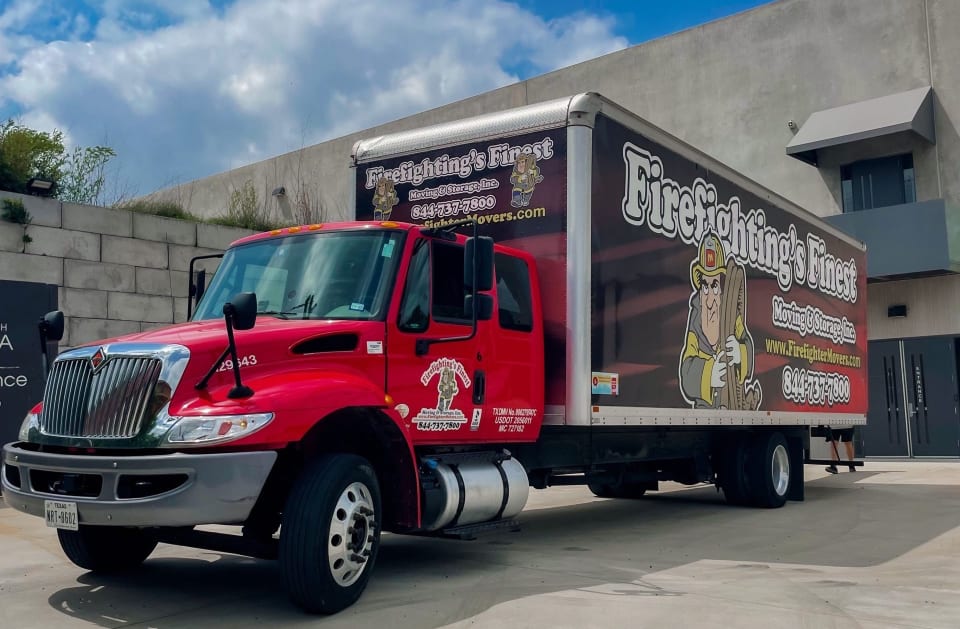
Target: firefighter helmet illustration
<point>384,198</point>
<point>710,263</point>
<point>525,177</point>
<point>716,367</point>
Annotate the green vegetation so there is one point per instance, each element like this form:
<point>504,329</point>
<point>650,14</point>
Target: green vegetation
<point>80,177</point>
<point>245,210</point>
<point>15,212</point>
<point>166,209</point>
<point>27,154</point>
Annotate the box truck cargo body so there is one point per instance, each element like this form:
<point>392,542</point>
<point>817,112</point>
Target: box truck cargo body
<point>556,294</point>
<point>678,295</point>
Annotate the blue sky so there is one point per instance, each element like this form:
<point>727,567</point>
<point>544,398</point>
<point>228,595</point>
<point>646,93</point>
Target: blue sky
<point>182,89</point>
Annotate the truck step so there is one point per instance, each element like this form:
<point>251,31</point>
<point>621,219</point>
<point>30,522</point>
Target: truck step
<point>220,542</point>
<point>832,462</point>
<point>471,531</point>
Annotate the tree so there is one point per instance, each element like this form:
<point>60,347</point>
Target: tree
<point>26,153</point>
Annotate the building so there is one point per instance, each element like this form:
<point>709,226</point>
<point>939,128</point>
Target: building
<point>850,108</point>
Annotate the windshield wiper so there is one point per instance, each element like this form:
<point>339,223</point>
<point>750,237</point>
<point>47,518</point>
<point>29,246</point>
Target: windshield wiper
<point>282,314</point>
<point>285,314</point>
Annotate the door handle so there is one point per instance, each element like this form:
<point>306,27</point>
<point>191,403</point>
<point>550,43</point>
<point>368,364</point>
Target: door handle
<point>479,386</point>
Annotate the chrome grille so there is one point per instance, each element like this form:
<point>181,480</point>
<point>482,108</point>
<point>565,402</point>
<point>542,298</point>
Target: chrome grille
<point>110,403</point>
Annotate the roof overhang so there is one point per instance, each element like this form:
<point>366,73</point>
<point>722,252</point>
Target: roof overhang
<point>910,111</point>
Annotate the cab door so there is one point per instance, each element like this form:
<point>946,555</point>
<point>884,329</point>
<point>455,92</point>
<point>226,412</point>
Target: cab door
<point>439,390</point>
<point>515,386</point>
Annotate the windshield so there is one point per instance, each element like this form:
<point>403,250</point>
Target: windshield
<point>332,275</point>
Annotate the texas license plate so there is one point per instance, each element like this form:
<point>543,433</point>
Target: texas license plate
<point>61,515</point>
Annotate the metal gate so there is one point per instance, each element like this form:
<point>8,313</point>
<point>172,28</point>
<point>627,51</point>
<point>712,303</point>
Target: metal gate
<point>913,398</point>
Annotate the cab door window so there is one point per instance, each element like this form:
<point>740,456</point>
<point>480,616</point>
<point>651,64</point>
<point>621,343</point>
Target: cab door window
<point>434,287</point>
<point>448,289</point>
<point>515,306</point>
<point>415,306</point>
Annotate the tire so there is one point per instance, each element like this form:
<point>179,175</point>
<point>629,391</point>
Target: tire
<point>616,490</point>
<point>106,549</point>
<point>768,470</point>
<point>733,474</point>
<point>330,533</point>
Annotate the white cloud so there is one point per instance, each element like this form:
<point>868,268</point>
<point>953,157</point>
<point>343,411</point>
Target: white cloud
<point>182,90</point>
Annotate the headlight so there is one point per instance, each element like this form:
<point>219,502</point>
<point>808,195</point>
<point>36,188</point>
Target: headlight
<point>30,422</point>
<point>201,431</point>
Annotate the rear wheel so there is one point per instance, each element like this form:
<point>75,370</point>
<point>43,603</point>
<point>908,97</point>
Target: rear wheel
<point>755,470</point>
<point>330,533</point>
<point>106,548</point>
<point>768,469</point>
<point>733,475</point>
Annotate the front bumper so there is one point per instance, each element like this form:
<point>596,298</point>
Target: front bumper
<point>193,489</point>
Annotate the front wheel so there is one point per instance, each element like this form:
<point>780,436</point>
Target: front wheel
<point>106,549</point>
<point>330,533</point>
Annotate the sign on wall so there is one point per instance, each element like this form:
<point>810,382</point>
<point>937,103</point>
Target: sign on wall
<point>22,304</point>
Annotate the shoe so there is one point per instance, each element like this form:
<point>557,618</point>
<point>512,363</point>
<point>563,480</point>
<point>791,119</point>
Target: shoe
<point>853,469</point>
<point>832,469</point>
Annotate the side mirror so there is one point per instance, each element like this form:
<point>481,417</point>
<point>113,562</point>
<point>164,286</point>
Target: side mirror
<point>484,306</point>
<point>195,291</point>
<point>478,253</point>
<point>201,285</point>
<point>243,310</point>
<point>51,326</point>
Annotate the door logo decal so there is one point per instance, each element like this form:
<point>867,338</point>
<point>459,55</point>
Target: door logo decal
<point>444,416</point>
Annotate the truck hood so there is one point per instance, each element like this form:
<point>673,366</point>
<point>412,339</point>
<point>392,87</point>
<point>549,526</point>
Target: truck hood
<point>202,337</point>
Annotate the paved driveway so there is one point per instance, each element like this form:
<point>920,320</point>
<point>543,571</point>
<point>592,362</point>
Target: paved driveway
<point>876,548</point>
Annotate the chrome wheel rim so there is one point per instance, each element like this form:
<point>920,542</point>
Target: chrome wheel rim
<point>781,470</point>
<point>352,531</point>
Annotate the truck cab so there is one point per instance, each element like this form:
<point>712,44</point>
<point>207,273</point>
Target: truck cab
<point>328,377</point>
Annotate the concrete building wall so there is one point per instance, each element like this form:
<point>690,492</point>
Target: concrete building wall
<point>118,272</point>
<point>933,308</point>
<point>944,21</point>
<point>728,87</point>
<point>320,172</point>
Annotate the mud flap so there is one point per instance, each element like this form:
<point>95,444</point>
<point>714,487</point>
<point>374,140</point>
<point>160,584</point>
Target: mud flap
<point>796,455</point>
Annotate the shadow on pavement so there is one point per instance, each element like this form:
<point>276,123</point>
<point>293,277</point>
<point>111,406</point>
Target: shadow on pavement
<point>422,582</point>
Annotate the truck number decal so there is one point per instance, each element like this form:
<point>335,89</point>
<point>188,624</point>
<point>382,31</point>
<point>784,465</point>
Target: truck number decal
<point>245,361</point>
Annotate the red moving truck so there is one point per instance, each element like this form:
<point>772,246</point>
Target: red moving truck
<point>556,294</point>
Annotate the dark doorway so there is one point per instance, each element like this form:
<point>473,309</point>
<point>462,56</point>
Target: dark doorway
<point>22,304</point>
<point>886,431</point>
<point>913,398</point>
<point>932,396</point>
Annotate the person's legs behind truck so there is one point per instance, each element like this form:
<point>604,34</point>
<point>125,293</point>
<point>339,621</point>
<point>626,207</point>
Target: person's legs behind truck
<point>845,435</point>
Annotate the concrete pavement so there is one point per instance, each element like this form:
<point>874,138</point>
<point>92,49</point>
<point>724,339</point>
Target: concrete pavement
<point>875,548</point>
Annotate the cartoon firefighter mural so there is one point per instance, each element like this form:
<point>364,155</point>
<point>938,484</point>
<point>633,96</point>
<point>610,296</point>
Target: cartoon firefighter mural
<point>525,177</point>
<point>384,198</point>
<point>716,367</point>
<point>447,389</point>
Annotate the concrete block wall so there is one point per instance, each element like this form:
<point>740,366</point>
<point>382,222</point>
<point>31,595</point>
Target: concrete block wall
<point>118,271</point>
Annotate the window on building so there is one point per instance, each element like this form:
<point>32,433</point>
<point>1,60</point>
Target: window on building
<point>877,183</point>
<point>513,293</point>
